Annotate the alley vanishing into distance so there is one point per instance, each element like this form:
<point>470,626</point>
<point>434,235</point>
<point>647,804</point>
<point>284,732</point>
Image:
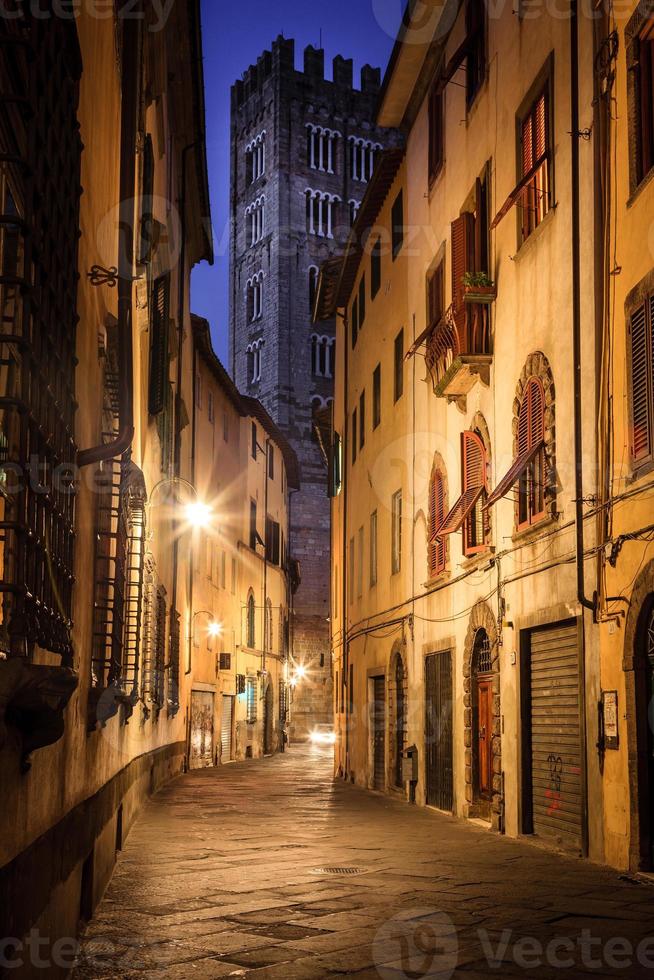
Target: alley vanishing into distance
<point>271,868</point>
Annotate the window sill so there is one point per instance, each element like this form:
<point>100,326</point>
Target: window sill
<point>473,562</point>
<point>525,534</point>
<point>528,243</point>
<point>439,579</point>
<point>639,471</point>
<point>639,188</point>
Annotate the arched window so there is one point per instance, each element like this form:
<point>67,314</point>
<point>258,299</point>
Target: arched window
<point>320,212</point>
<point>254,355</point>
<point>321,148</point>
<point>481,653</point>
<point>255,158</point>
<point>354,209</point>
<point>251,622</point>
<point>470,512</point>
<point>255,221</point>
<point>322,356</point>
<point>437,510</point>
<point>255,297</point>
<point>362,158</point>
<point>529,470</point>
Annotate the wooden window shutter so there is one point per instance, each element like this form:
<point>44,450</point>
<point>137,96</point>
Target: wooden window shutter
<point>159,316</point>
<point>435,296</point>
<point>463,238</point>
<point>474,461</point>
<point>641,355</point>
<point>540,127</point>
<point>437,545</point>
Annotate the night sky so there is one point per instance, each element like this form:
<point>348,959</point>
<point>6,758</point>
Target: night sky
<point>234,35</point>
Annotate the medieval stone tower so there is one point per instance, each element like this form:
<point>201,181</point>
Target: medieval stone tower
<point>302,152</point>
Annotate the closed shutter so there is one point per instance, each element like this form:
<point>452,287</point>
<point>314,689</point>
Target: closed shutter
<point>379,733</point>
<point>642,361</point>
<point>438,730</point>
<point>463,240</point>
<point>437,545</point>
<point>556,763</point>
<point>159,316</point>
<point>226,727</point>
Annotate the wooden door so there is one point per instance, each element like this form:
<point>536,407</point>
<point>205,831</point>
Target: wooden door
<point>484,737</point>
<point>379,732</point>
<point>201,752</point>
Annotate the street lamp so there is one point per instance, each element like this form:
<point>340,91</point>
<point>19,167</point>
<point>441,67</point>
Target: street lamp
<point>214,628</point>
<point>197,513</point>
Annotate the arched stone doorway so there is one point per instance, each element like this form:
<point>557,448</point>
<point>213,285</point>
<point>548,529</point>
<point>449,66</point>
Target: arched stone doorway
<point>638,664</point>
<point>482,721</point>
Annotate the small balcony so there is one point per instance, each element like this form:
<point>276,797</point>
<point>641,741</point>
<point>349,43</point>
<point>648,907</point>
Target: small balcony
<point>459,345</point>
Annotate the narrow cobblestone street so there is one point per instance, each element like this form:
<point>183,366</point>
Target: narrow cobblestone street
<point>229,872</point>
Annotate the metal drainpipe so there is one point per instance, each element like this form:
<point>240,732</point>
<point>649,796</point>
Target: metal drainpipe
<point>177,452</point>
<point>128,128</point>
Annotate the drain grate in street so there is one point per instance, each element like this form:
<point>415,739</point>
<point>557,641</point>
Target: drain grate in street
<point>338,871</point>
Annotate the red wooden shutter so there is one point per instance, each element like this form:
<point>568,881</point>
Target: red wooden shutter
<point>641,383</point>
<point>436,514</point>
<point>540,125</point>
<point>527,145</point>
<point>531,422</point>
<point>463,238</point>
<point>474,461</point>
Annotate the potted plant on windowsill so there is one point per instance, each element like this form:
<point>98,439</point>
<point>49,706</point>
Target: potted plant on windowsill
<point>478,287</point>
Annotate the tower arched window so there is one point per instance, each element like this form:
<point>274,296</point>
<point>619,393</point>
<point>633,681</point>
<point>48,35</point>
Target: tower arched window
<point>255,297</point>
<point>313,285</point>
<point>255,157</point>
<point>322,356</point>
<point>254,355</point>
<point>354,209</point>
<point>321,148</point>
<point>320,207</point>
<point>255,221</point>
<point>362,155</point>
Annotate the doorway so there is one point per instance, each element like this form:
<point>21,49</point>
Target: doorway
<point>268,716</point>
<point>201,748</point>
<point>482,724</point>
<point>378,733</point>
<point>644,677</point>
<point>400,721</point>
<point>438,731</point>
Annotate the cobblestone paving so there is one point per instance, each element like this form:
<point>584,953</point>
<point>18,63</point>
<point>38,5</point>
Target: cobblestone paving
<point>224,875</point>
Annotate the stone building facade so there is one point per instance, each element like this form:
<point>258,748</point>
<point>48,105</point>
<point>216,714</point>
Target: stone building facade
<point>302,152</point>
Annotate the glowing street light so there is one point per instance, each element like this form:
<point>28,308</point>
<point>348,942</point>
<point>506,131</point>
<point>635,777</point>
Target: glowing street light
<point>214,628</point>
<point>198,514</point>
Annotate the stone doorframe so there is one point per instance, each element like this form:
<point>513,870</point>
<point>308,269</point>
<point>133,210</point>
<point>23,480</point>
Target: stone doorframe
<point>482,617</point>
<point>642,590</point>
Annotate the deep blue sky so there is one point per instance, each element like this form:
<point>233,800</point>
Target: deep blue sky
<point>234,35</point>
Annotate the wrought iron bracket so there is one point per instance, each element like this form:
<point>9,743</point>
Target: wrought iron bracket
<point>100,276</point>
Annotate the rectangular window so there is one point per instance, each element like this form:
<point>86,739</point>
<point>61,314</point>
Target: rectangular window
<point>641,381</point>
<point>253,445</point>
<point>376,396</point>
<point>354,435</point>
<point>272,541</point>
<point>373,549</point>
<point>354,322</point>
<point>362,420</point>
<point>398,373</point>
<point>435,132</point>
<point>253,524</point>
<point>640,91</point>
<point>396,532</point>
<point>534,198</point>
<point>476,38</point>
<point>362,301</point>
<point>397,221</point>
<point>251,700</point>
<point>375,268</point>
<point>360,564</point>
<point>271,461</point>
<point>351,583</point>
<point>159,355</point>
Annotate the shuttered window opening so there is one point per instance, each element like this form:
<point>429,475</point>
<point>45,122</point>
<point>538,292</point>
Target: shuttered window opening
<point>534,154</point>
<point>555,735</point>
<point>379,733</point>
<point>159,354</point>
<point>435,296</point>
<point>437,545</point>
<point>528,469</point>
<point>641,363</point>
<point>469,511</point>
<point>226,728</point>
<point>438,731</point>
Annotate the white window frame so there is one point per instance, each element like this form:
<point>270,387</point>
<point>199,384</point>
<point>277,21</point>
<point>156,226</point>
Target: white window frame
<point>320,212</point>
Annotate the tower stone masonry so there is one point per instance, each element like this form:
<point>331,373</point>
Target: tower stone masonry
<point>302,151</point>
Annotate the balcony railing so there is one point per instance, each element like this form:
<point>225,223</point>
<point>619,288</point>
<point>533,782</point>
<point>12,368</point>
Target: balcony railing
<point>458,349</point>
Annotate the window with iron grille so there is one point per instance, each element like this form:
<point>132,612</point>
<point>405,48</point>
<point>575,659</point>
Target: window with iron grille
<point>639,39</point>
<point>641,382</point>
<point>251,699</point>
<point>40,66</point>
<point>175,662</point>
<point>240,683</point>
<point>225,661</point>
<point>154,638</point>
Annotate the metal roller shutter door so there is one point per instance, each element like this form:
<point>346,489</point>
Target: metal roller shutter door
<point>556,763</point>
<point>226,728</point>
